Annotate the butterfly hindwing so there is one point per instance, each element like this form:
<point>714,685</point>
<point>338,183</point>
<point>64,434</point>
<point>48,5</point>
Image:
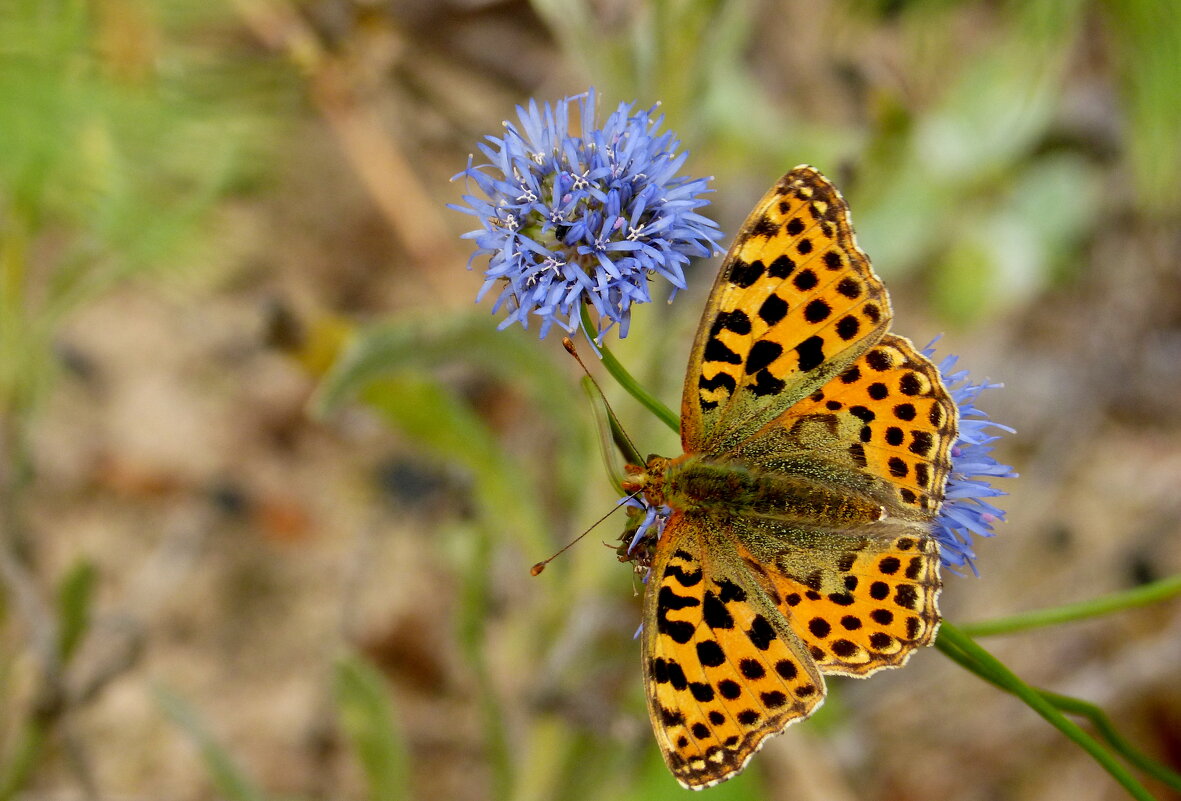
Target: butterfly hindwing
<point>794,303</point>
<point>859,600</point>
<point>722,669</point>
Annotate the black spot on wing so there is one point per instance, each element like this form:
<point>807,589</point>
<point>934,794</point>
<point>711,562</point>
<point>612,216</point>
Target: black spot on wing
<point>766,384</point>
<point>921,443</point>
<point>849,287</point>
<point>676,676</point>
<point>718,381</point>
<point>811,353</point>
<point>680,631</point>
<point>659,670</point>
<point>667,599</point>
<point>710,653</point>
<point>715,613</point>
<point>752,669</point>
<point>671,717</point>
<point>744,274</point>
<point>905,411</point>
<point>863,413</point>
<point>683,578</point>
<point>773,699</point>
<point>761,355</point>
<point>848,327</point>
<point>729,689</point>
<point>787,669</point>
<point>805,280</point>
<point>878,360</point>
<point>748,717</point>
<point>816,311</point>
<point>761,634</point>
<point>844,648</point>
<point>906,596</point>
<point>729,591</point>
<point>781,267</point>
<point>773,310</point>
<point>765,227</point>
<point>716,351</point>
<point>735,321</point>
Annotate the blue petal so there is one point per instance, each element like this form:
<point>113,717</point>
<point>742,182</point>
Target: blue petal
<point>570,219</point>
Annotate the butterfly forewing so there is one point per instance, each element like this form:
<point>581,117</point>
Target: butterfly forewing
<point>722,669</point>
<point>795,302</point>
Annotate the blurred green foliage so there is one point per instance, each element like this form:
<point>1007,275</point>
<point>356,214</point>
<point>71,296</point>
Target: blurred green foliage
<point>118,144</point>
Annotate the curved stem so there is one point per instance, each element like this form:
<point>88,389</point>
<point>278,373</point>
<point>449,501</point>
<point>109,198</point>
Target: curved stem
<point>1118,743</point>
<point>1115,602</point>
<point>625,379</point>
<point>963,650</point>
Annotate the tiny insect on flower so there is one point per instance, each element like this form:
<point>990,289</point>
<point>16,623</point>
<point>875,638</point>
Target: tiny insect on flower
<point>589,218</point>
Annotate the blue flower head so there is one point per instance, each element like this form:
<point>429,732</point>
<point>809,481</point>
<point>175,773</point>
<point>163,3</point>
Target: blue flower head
<point>570,219</point>
<point>965,511</point>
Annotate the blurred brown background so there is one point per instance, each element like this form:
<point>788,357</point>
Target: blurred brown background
<point>213,592</point>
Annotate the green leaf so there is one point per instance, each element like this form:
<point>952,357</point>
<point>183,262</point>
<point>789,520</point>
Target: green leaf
<point>423,343</point>
<point>367,717</point>
<point>75,598</point>
<point>418,346</point>
<point>228,778</point>
<point>21,758</point>
<point>1148,64</point>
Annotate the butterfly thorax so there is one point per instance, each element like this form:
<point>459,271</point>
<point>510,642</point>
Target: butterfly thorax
<point>699,485</point>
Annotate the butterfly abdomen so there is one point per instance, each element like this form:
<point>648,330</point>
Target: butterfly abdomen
<point>696,485</point>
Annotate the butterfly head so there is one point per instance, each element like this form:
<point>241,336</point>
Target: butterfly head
<point>647,480</point>
<point>648,511</point>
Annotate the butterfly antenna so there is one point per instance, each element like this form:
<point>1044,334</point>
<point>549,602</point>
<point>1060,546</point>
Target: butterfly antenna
<point>540,566</point>
<point>617,431</point>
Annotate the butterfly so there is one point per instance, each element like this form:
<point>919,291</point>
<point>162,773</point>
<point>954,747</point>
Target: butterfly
<point>798,534</point>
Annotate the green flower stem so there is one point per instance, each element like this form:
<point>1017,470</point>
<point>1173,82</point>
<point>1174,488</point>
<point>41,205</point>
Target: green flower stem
<point>964,651</point>
<point>1115,602</point>
<point>1118,743</point>
<point>620,374</point>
